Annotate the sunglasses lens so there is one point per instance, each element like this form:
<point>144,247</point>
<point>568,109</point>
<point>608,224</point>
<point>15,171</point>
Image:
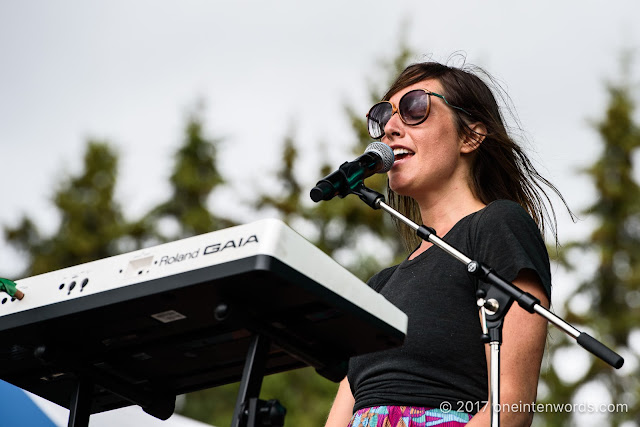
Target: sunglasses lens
<point>414,107</point>
<point>377,119</point>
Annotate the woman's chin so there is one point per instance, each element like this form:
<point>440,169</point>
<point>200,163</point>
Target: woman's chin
<point>402,189</point>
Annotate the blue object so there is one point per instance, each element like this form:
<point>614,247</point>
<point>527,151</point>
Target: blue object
<point>18,410</point>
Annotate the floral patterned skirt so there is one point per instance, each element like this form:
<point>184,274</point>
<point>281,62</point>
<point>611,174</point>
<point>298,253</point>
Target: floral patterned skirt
<point>407,416</point>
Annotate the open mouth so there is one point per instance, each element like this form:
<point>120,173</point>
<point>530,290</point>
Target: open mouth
<point>401,154</point>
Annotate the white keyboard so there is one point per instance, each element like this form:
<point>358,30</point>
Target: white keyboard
<point>268,237</point>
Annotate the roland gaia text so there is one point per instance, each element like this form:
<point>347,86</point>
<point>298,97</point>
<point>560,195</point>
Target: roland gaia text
<point>211,249</point>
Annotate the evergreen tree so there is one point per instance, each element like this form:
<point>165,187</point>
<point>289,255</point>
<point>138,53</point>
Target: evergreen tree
<point>194,178</point>
<point>341,224</point>
<point>91,226</point>
<point>614,289</point>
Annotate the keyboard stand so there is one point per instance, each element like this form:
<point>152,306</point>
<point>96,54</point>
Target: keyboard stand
<point>80,405</point>
<point>249,410</point>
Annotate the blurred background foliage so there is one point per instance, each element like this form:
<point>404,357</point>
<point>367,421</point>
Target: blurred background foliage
<point>607,303</point>
<point>93,226</point>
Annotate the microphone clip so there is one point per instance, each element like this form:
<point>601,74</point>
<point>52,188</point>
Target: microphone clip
<point>369,196</point>
<point>340,183</point>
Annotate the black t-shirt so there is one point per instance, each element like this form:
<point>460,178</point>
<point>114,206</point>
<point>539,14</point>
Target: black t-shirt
<point>442,358</point>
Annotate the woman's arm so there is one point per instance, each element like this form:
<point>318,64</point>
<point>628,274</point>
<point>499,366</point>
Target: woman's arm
<point>523,341</point>
<point>342,408</point>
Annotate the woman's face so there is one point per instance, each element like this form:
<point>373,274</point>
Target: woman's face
<point>429,156</point>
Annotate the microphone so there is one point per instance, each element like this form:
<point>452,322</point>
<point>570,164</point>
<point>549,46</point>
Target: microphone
<point>377,158</point>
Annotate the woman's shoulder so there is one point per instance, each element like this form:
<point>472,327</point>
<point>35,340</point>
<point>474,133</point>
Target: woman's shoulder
<point>378,280</point>
<point>505,207</point>
<point>503,210</point>
<point>503,216</point>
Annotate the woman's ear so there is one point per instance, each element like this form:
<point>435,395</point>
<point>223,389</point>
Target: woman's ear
<point>476,132</point>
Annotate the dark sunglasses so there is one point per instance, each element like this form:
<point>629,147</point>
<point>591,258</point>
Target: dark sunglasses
<point>413,108</point>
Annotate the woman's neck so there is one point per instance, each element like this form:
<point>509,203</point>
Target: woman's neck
<point>443,212</point>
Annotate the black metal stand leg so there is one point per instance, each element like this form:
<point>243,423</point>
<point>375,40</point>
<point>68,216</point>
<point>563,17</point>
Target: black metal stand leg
<point>80,407</point>
<point>251,381</point>
<point>253,408</point>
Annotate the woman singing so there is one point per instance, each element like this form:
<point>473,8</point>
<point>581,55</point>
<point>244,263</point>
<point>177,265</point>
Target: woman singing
<point>459,171</point>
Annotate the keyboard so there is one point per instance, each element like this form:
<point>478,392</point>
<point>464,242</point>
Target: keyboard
<point>178,317</point>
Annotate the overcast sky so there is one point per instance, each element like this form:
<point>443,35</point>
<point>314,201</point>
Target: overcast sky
<point>129,71</point>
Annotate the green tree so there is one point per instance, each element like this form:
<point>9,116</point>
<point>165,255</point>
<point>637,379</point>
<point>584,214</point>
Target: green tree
<point>341,224</point>
<point>614,289</point>
<point>91,225</point>
<point>194,178</point>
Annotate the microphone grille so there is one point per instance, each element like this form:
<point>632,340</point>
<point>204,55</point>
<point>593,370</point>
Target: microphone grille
<point>384,151</point>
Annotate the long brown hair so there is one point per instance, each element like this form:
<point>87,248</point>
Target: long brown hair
<point>500,168</point>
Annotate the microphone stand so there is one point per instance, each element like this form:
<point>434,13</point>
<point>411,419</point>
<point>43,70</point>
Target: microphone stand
<point>495,297</point>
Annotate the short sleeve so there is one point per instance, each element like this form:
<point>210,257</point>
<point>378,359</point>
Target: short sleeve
<point>508,240</point>
<point>378,280</point>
